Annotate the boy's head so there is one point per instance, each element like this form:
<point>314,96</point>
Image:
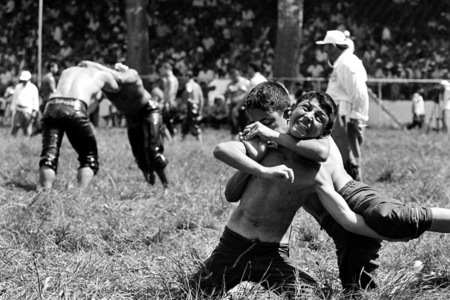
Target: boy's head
<point>313,115</point>
<point>267,103</point>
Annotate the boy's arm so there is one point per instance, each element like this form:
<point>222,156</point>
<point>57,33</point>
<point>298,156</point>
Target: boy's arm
<point>338,208</point>
<point>235,186</point>
<point>314,149</point>
<point>234,154</point>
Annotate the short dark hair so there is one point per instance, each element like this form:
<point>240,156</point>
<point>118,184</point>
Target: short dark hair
<point>326,103</point>
<point>50,65</point>
<point>268,96</point>
<point>190,74</point>
<point>167,65</point>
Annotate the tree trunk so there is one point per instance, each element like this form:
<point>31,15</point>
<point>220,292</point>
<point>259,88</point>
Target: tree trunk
<point>289,37</point>
<point>137,35</point>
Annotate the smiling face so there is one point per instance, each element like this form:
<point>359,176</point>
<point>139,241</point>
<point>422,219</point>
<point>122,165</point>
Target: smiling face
<point>308,120</point>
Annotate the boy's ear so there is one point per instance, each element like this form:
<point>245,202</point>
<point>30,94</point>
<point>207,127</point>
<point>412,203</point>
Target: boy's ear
<point>287,113</point>
<point>326,133</point>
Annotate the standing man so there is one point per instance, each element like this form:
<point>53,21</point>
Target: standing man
<point>66,112</point>
<point>170,88</point>
<point>347,86</point>
<point>48,83</point>
<point>48,86</point>
<point>418,110</point>
<point>445,104</point>
<point>255,76</point>
<point>25,104</point>
<point>144,121</point>
<point>193,97</point>
<point>235,95</point>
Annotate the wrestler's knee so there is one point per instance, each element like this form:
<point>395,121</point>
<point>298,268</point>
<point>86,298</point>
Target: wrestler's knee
<point>90,161</point>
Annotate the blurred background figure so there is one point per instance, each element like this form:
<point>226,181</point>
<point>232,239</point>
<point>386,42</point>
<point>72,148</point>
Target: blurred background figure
<point>255,75</point>
<point>445,96</point>
<point>235,95</point>
<point>218,113</point>
<point>170,88</point>
<point>418,110</point>
<point>48,86</point>
<point>48,83</point>
<point>192,97</point>
<point>25,104</point>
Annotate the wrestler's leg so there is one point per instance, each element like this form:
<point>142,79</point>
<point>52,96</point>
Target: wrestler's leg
<point>154,147</point>
<point>194,125</point>
<point>137,143</point>
<point>82,138</point>
<point>52,137</point>
<point>276,271</point>
<point>84,177</point>
<point>357,257</point>
<point>16,123</point>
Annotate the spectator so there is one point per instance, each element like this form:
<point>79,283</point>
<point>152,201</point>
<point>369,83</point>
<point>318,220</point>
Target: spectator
<point>254,75</point>
<point>25,104</point>
<point>218,113</point>
<point>347,86</point>
<point>445,104</point>
<point>192,96</point>
<point>170,88</point>
<point>48,86</point>
<point>235,95</point>
<point>418,110</point>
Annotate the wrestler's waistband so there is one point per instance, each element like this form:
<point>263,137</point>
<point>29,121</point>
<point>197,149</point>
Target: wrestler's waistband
<point>238,239</point>
<point>74,102</point>
<point>150,106</point>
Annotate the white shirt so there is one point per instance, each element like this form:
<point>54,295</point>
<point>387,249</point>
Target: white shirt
<point>347,86</point>
<point>26,98</point>
<point>446,98</point>
<point>418,104</point>
<point>257,79</point>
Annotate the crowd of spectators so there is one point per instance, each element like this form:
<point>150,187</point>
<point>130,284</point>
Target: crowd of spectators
<point>394,38</point>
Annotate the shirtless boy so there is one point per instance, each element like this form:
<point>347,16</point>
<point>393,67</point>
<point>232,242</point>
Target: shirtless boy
<point>144,121</point>
<point>66,112</point>
<point>255,243</point>
<point>388,217</point>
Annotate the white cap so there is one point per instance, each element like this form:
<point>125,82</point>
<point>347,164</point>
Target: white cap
<point>25,76</point>
<point>334,37</point>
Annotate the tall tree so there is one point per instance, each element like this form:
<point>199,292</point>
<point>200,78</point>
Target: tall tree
<point>137,35</point>
<point>289,38</point>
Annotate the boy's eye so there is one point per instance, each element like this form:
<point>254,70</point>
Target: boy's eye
<point>321,118</point>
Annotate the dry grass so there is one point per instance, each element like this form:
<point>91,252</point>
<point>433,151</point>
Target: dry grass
<point>128,240</point>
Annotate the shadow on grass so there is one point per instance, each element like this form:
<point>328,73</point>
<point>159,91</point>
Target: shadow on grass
<point>24,185</point>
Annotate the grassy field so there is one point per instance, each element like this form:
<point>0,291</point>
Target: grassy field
<point>128,240</point>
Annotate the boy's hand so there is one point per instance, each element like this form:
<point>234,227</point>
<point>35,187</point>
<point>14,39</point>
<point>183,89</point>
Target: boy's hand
<point>280,172</point>
<point>257,129</point>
